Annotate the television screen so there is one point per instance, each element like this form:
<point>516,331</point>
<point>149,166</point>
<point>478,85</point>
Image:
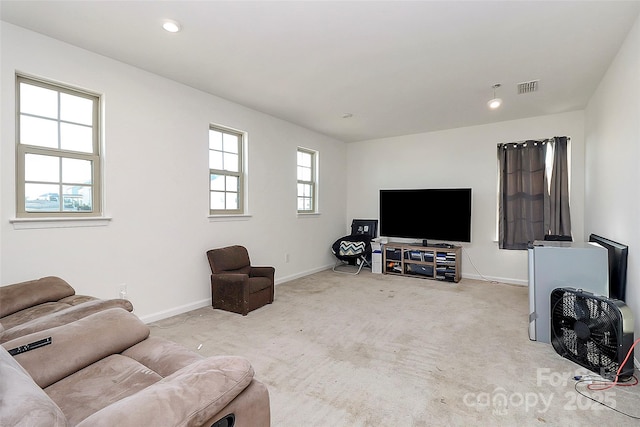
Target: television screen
<point>427,214</point>
<point>617,254</point>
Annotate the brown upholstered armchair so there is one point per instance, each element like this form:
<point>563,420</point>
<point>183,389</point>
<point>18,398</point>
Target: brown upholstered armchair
<point>236,286</point>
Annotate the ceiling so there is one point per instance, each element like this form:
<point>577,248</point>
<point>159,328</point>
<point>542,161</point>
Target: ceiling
<point>398,67</point>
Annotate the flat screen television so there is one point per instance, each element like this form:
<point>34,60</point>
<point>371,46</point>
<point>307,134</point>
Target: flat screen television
<point>426,214</point>
<point>617,253</point>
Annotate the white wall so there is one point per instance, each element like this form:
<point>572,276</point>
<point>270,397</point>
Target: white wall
<point>463,157</point>
<point>612,133</point>
<point>156,185</point>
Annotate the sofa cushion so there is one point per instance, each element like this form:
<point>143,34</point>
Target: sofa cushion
<point>77,299</point>
<point>22,295</point>
<point>22,402</point>
<point>163,356</point>
<point>186,398</point>
<point>99,385</point>
<point>108,332</point>
<point>31,313</point>
<point>66,314</point>
<point>256,284</point>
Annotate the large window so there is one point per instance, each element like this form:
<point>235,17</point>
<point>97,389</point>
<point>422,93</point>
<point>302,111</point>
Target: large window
<point>307,159</point>
<point>225,171</point>
<point>533,193</point>
<point>58,151</point>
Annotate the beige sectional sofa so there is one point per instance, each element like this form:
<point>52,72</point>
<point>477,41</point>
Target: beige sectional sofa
<point>34,305</point>
<point>104,369</point>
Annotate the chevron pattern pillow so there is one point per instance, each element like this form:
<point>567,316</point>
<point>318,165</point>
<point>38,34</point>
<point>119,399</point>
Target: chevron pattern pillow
<point>351,248</point>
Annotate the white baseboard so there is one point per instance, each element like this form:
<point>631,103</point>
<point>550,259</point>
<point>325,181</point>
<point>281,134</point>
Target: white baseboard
<point>302,274</point>
<point>175,311</point>
<point>207,302</point>
<point>497,279</point>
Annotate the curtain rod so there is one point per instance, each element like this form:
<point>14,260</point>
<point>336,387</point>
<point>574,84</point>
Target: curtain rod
<point>543,141</point>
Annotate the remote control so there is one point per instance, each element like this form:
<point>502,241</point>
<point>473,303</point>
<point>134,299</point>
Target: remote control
<point>30,346</point>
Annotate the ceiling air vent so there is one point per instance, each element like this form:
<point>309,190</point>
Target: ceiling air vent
<point>527,87</point>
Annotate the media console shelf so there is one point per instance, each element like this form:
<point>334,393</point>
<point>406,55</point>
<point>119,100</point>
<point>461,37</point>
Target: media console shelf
<point>426,262</point>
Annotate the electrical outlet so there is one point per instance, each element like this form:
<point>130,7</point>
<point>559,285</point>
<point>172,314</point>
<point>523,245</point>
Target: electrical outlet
<point>123,291</point>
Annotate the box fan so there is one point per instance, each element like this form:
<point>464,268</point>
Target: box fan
<point>593,331</point>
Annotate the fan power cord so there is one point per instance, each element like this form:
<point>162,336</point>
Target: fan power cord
<point>589,379</point>
<point>615,382</point>
<point>482,277</point>
<point>575,386</point>
<point>605,384</point>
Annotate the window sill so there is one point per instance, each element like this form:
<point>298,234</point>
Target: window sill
<point>35,223</point>
<point>235,217</point>
<point>308,214</point>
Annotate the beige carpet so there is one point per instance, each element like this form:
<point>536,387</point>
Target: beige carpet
<point>381,350</point>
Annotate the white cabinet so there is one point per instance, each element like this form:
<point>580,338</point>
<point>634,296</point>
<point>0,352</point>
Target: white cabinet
<point>552,265</point>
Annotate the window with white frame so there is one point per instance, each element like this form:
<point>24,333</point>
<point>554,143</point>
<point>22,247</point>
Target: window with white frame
<point>307,159</point>
<point>58,150</point>
<point>226,183</point>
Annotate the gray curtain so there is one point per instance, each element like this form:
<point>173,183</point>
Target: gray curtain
<point>560,217</point>
<point>524,199</point>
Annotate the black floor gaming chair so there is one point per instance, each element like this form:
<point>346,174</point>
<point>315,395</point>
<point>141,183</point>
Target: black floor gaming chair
<point>355,249</point>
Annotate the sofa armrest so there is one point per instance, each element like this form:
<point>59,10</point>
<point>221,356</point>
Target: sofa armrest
<point>189,397</point>
<point>62,317</point>
<point>22,402</point>
<point>251,408</point>
<point>23,295</point>
<point>78,344</point>
<point>229,279</point>
<point>228,283</point>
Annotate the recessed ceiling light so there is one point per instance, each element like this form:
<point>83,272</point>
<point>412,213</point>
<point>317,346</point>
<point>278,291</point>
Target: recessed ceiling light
<point>171,26</point>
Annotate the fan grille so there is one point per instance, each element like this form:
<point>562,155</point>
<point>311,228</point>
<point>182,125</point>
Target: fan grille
<point>588,331</point>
